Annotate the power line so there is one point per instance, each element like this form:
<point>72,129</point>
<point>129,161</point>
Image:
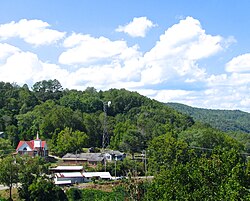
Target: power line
<point>209,149</point>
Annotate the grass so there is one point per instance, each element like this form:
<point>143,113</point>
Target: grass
<point>106,186</point>
<point>5,194</point>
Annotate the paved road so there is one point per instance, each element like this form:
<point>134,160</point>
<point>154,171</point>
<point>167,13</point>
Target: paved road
<point>2,187</point>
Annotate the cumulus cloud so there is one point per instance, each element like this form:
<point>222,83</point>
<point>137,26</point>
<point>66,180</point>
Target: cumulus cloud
<point>137,28</point>
<point>177,52</point>
<point>239,64</point>
<point>35,32</point>
<point>174,57</point>
<point>20,67</point>
<point>7,50</point>
<point>26,68</point>
<point>169,72</point>
<point>84,49</point>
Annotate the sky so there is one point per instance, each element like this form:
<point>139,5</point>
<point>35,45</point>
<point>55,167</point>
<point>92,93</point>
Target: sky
<point>192,52</point>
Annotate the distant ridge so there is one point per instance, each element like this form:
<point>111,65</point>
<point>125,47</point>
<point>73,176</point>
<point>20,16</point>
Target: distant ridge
<point>225,120</point>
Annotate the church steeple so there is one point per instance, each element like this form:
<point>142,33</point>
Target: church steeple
<point>37,141</point>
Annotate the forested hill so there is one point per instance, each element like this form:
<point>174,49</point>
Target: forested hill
<point>77,117</point>
<point>225,120</point>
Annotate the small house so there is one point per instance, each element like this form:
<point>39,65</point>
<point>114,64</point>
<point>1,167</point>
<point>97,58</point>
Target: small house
<point>59,169</point>
<point>68,178</point>
<point>111,155</point>
<point>91,159</point>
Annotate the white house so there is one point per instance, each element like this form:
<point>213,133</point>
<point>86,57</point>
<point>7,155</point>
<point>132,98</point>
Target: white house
<point>63,178</point>
<point>111,155</point>
<point>68,178</point>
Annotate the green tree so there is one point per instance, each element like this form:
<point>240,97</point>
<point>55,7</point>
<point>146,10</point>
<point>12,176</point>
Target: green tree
<point>9,173</point>
<point>208,137</point>
<point>48,117</point>
<point>166,151</point>
<point>133,141</point>
<point>5,147</point>
<point>71,141</point>
<point>74,194</point>
<point>30,170</point>
<point>181,174</point>
<point>12,134</point>
<point>203,178</point>
<point>48,89</point>
<point>93,129</point>
<point>42,189</point>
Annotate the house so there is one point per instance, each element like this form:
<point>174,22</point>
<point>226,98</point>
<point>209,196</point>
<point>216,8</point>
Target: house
<point>111,155</point>
<point>35,147</point>
<point>91,159</point>
<point>66,169</point>
<point>67,175</point>
<point>61,178</point>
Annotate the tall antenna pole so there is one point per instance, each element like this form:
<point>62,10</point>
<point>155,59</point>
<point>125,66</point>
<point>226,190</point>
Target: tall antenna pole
<point>105,137</point>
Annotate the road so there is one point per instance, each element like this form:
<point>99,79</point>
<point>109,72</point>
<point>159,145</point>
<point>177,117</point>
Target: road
<point>2,187</point>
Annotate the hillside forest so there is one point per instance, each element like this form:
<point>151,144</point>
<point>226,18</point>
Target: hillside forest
<point>190,158</point>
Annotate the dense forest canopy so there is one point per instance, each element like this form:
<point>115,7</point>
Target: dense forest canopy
<point>234,122</point>
<point>132,120</point>
<point>189,158</point>
<point>225,120</point>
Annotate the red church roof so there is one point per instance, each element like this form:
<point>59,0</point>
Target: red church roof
<point>30,144</point>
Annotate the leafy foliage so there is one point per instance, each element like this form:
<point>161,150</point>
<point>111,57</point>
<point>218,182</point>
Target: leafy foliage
<point>8,172</point>
<point>94,195</point>
<point>190,160</point>
<point>43,189</point>
<point>183,173</point>
<point>69,141</point>
<point>225,120</point>
<point>5,147</point>
<point>132,120</point>
<point>30,169</point>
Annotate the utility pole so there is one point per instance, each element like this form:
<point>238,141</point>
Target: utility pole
<point>115,167</point>
<point>144,152</point>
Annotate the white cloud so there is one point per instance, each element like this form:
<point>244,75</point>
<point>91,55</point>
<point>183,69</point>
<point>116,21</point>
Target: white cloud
<point>223,80</point>
<point>137,28</point>
<point>52,71</point>
<point>174,57</point>
<point>7,50</point>
<point>177,52</point>
<point>239,64</point>
<point>169,95</point>
<point>85,49</point>
<point>35,32</point>
<point>229,98</point>
<point>20,67</point>
<point>166,72</point>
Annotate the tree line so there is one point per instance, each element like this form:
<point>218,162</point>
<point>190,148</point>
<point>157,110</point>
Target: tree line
<point>190,160</point>
<point>76,117</point>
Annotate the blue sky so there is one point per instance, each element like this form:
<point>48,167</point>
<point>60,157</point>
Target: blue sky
<point>193,52</point>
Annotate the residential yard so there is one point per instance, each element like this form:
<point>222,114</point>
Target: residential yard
<point>106,186</point>
<point>5,194</point>
<point>103,186</point>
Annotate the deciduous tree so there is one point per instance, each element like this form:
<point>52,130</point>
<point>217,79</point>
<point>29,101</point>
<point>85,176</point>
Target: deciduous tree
<point>9,173</point>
